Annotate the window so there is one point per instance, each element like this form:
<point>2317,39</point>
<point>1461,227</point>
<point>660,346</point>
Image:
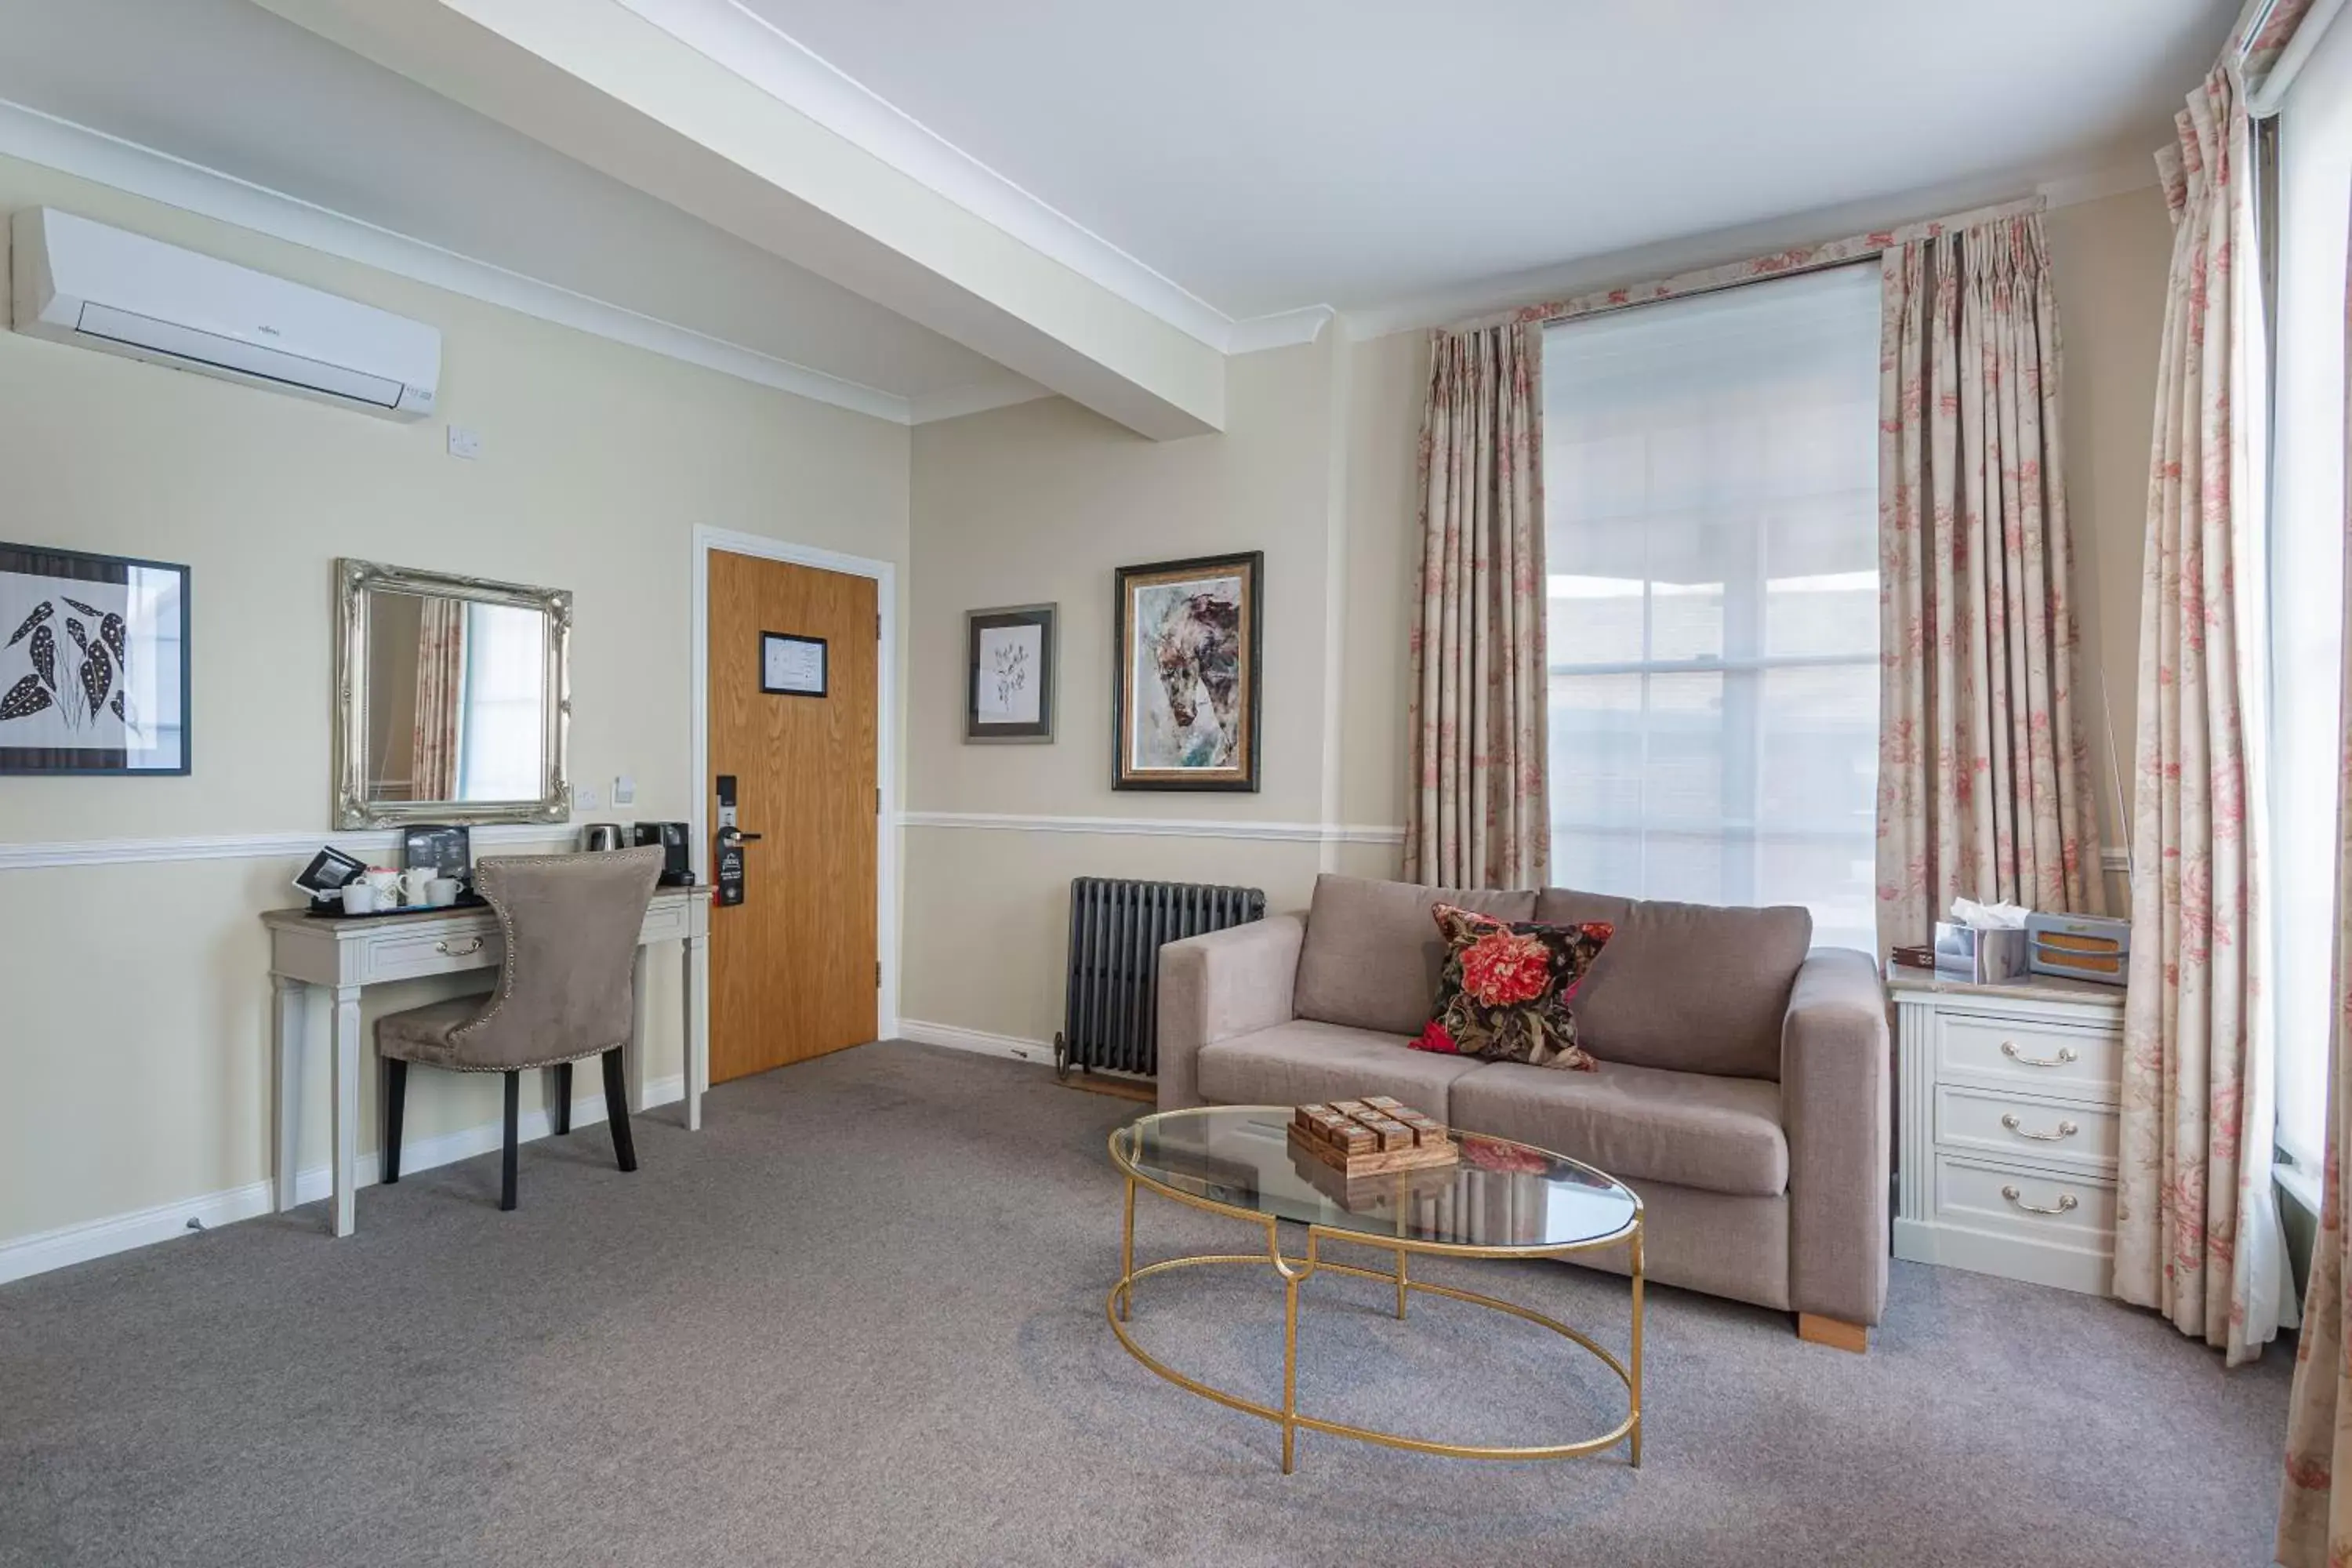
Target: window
<point>1711,474</point>
<point>2306,576</point>
<point>505,678</point>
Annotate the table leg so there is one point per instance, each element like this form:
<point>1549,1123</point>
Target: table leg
<point>1127,1256</point>
<point>1401,1285</point>
<point>289,1018</point>
<point>1289,1370</point>
<point>347,1106</point>
<point>638,1013</point>
<point>1635,1435</point>
<point>697,965</point>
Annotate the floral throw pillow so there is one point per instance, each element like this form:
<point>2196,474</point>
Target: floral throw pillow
<point>1505,991</point>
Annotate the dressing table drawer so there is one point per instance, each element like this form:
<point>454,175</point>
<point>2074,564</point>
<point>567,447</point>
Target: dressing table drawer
<point>405,955</point>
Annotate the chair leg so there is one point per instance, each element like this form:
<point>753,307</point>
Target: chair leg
<point>563,1109</point>
<point>506,1172</point>
<point>396,1100</point>
<point>616,1108</point>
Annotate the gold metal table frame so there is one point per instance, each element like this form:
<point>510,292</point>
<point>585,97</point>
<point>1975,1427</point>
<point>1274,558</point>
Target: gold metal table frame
<point>1295,1272</point>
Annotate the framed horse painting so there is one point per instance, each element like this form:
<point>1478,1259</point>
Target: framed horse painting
<point>1184,712</point>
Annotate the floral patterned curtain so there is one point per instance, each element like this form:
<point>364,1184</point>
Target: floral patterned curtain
<point>2196,1223</point>
<point>1478,717</point>
<point>1983,786</point>
<point>440,697</point>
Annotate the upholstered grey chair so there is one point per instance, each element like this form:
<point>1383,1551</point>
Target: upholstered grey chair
<point>566,990</point>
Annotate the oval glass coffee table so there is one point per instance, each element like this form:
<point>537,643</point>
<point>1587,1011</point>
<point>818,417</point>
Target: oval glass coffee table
<point>1501,1200</point>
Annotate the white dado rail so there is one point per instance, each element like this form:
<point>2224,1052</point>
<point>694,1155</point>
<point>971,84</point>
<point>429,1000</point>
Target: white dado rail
<point>374,845</point>
<point>39,855</point>
<point>1160,828</point>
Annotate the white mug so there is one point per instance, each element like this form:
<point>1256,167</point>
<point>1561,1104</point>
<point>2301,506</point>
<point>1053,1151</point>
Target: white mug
<point>358,897</point>
<point>387,883</point>
<point>413,881</point>
<point>441,892</point>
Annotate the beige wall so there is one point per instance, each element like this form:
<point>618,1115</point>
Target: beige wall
<point>2111,259</point>
<point>1042,502</point>
<point>135,1042</point>
<point>1317,468</point>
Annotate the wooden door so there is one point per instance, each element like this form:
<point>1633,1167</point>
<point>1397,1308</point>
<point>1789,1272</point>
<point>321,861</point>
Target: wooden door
<point>793,967</point>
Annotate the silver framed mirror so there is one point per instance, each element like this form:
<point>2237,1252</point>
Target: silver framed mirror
<point>453,699</point>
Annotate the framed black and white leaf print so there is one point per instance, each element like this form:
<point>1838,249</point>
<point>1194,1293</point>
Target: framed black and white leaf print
<point>93,664</point>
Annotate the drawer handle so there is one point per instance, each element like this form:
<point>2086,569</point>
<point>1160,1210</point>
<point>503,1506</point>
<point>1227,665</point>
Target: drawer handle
<point>2065,1202</point>
<point>2065,1055</point>
<point>466,949</point>
<point>2065,1128</point>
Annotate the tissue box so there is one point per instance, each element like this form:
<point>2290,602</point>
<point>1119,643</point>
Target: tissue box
<point>1985,957</point>
<point>2081,947</point>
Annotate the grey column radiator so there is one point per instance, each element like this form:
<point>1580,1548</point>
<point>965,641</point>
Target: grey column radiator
<point>1111,1019</point>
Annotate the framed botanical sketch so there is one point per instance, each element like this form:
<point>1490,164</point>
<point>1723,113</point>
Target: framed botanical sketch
<point>1184,710</point>
<point>94,668</point>
<point>1009,674</point>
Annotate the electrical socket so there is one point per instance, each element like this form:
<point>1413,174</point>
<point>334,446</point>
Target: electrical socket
<point>588,797</point>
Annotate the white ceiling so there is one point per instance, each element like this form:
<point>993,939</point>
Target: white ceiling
<point>1218,163</point>
<point>228,86</point>
<point>1268,157</point>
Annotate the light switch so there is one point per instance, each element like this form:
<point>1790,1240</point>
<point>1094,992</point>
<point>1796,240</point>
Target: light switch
<point>625,791</point>
<point>588,797</point>
<point>465,441</point>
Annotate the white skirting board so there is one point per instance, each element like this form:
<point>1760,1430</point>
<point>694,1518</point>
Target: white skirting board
<point>39,1253</point>
<point>1040,1052</point>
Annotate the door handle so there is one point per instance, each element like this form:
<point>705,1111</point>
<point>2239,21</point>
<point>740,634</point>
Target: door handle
<point>747,838</point>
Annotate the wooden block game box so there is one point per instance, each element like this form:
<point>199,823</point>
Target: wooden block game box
<point>1370,1137</point>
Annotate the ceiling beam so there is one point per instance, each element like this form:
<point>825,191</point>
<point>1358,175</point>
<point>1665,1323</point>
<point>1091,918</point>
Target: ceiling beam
<point>595,80</point>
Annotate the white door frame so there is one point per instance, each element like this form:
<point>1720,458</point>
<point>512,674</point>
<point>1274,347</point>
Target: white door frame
<point>710,540</point>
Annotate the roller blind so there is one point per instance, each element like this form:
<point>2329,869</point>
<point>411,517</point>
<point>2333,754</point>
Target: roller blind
<point>1711,480</point>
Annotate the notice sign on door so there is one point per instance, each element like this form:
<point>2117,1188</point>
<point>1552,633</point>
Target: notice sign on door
<point>791,666</point>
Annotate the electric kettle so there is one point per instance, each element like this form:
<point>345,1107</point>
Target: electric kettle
<point>603,835</point>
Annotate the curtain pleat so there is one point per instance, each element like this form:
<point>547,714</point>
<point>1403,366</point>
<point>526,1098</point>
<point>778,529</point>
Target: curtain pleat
<point>2195,1225</point>
<point>1478,714</point>
<point>1984,782</point>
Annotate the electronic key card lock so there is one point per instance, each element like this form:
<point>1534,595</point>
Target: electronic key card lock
<point>727,853</point>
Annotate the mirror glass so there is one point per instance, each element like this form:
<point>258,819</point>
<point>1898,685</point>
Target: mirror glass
<point>456,696</point>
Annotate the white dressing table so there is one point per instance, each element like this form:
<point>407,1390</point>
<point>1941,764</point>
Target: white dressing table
<point>342,957</point>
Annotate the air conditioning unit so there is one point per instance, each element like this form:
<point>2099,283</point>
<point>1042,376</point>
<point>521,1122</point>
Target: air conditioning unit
<point>81,282</point>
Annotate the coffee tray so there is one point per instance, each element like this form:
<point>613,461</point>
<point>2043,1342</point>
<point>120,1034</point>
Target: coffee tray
<point>335,911</point>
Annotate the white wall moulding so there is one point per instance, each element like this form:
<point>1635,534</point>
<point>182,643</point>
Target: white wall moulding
<point>39,855</point>
<point>45,1250</point>
<point>1160,827</point>
<point>978,1041</point>
<point>649,102</point>
<point>76,149</point>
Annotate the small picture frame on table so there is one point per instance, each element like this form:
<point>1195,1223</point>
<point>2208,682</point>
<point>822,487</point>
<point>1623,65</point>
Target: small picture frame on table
<point>1009,662</point>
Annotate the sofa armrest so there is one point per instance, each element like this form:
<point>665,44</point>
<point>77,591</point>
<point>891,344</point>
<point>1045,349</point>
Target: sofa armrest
<point>1836,1108</point>
<point>1216,986</point>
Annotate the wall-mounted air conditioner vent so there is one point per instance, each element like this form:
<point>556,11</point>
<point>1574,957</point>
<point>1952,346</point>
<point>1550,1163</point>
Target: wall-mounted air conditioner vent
<point>81,282</point>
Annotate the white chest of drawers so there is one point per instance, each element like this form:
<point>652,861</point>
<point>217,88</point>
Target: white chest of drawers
<point>2007,1127</point>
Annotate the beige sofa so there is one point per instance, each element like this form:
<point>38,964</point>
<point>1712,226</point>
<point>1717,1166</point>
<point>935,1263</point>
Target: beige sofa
<point>1743,1091</point>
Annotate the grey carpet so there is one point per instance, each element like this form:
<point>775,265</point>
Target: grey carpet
<point>859,1319</point>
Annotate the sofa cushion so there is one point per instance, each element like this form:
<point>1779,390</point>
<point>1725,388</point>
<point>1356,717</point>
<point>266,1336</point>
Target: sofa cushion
<point>1718,1134</point>
<point>1505,994</point>
<point>1372,950</point>
<point>1302,1062</point>
<point>1688,988</point>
